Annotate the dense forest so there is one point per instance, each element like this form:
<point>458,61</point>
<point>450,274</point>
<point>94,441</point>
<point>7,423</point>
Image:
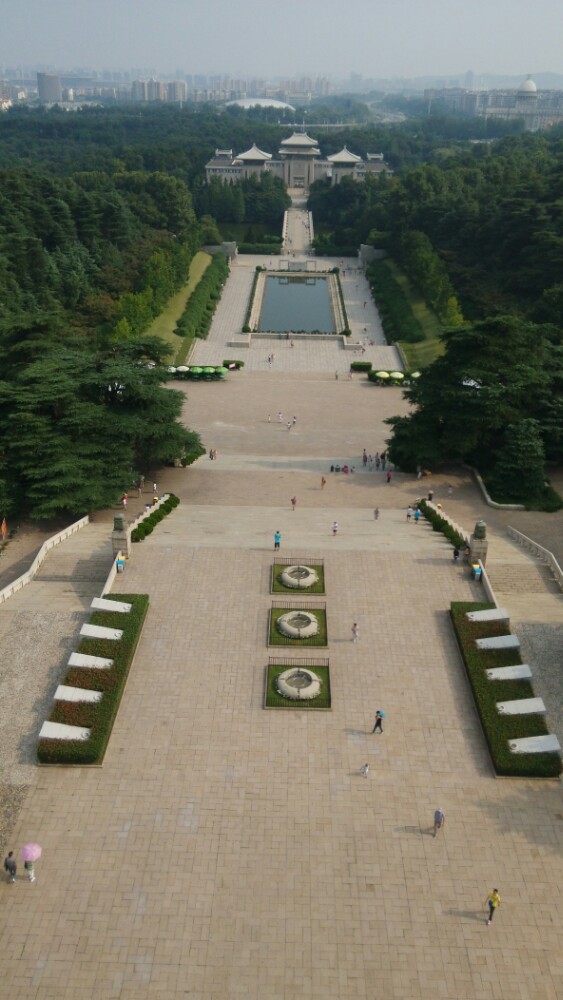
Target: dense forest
<point>102,210</point>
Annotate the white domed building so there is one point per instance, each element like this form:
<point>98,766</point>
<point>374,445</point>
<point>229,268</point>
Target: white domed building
<point>538,109</point>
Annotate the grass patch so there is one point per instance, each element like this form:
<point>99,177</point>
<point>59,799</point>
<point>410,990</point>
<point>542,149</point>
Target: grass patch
<point>200,305</point>
<point>100,717</point>
<point>500,728</point>
<point>165,323</point>
<point>275,638</point>
<point>277,587</point>
<point>275,700</point>
<point>423,352</point>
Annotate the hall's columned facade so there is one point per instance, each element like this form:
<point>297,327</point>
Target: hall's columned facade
<point>298,164</point>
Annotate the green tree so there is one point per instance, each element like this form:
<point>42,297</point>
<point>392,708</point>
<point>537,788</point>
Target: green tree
<point>519,468</point>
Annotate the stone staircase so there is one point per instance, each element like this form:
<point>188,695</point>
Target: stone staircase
<point>71,575</point>
<point>523,583</point>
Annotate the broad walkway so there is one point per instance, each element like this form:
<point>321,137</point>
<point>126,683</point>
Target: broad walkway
<point>223,850</point>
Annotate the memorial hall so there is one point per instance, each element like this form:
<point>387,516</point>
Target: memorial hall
<point>299,163</point>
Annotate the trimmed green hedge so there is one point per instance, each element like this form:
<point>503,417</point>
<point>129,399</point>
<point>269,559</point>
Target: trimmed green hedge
<point>440,523</point>
<point>232,361</point>
<point>261,248</point>
<point>500,728</point>
<point>361,366</point>
<point>147,526</point>
<point>397,317</point>
<point>98,717</point>
<point>200,307</point>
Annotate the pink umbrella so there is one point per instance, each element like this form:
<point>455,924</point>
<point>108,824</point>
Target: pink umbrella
<point>31,852</point>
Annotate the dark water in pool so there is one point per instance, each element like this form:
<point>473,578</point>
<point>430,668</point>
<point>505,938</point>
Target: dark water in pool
<point>293,303</point>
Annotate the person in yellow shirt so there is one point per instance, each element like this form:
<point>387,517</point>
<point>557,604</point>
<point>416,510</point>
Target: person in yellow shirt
<point>492,901</point>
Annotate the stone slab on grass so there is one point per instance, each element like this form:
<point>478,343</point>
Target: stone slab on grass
<point>519,672</point>
<point>101,604</point>
<point>66,693</point>
<point>490,615</point>
<point>499,642</point>
<point>535,744</point>
<point>521,706</point>
<point>58,731</point>
<point>100,632</point>
<point>95,662</point>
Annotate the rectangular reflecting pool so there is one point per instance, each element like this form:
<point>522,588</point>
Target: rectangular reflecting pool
<point>296,303</point>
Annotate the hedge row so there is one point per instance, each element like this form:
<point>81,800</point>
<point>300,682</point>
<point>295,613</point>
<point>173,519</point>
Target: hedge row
<point>196,318</point>
<point>439,523</point>
<point>232,361</point>
<point>330,250</point>
<point>395,311</point>
<point>360,366</point>
<point>261,248</point>
<point>147,526</point>
<point>98,717</point>
<point>499,729</point>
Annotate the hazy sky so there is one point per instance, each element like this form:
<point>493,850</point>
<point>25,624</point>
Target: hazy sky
<point>379,38</point>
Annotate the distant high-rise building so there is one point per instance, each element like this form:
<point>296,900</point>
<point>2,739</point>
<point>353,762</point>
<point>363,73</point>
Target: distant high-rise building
<point>49,88</point>
<point>176,91</point>
<point>139,90</point>
<point>156,90</point>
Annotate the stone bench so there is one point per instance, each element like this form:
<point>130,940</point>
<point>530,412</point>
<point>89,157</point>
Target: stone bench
<point>58,731</point>
<point>100,604</point>
<point>95,662</point>
<point>535,744</point>
<point>499,642</point>
<point>521,706</point>
<point>66,693</point>
<point>492,615</point>
<point>519,672</point>
<point>100,632</point>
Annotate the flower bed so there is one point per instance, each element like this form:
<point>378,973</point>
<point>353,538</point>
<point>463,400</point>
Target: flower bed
<point>100,716</point>
<point>277,587</point>
<point>274,699</point>
<point>277,639</point>
<point>500,728</point>
<point>147,526</point>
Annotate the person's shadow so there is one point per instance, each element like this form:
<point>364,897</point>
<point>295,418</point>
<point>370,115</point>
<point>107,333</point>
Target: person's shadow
<point>467,915</point>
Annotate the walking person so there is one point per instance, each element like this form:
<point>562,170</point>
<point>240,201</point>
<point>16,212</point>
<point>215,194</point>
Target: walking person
<point>10,866</point>
<point>355,632</point>
<point>293,503</point>
<point>30,869</point>
<point>389,477</point>
<point>154,488</point>
<point>277,539</point>
<point>289,425</point>
<point>456,554</point>
<point>417,516</point>
<point>410,513</point>
<point>493,902</point>
<point>280,417</point>
<point>450,492</point>
<point>365,458</point>
<point>323,482</point>
<point>430,495</point>
<point>376,514</point>
<point>439,820</point>
<point>364,770</point>
<point>378,724</point>
<point>334,528</point>
<point>269,418</point>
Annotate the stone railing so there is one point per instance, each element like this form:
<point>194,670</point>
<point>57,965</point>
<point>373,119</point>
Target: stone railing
<point>538,550</point>
<point>27,577</point>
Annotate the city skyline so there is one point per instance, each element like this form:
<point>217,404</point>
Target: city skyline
<point>372,39</point>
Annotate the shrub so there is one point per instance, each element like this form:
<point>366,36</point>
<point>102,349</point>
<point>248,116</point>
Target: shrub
<point>238,364</point>
<point>196,318</point>
<point>261,248</point>
<point>440,523</point>
<point>101,716</point>
<point>360,366</point>
<point>499,729</point>
<point>397,317</point>
<point>246,328</point>
<point>147,526</point>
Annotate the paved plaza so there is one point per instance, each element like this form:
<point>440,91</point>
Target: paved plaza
<point>224,850</point>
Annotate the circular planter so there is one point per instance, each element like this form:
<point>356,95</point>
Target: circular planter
<point>298,684</point>
<point>299,577</point>
<point>298,624</point>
